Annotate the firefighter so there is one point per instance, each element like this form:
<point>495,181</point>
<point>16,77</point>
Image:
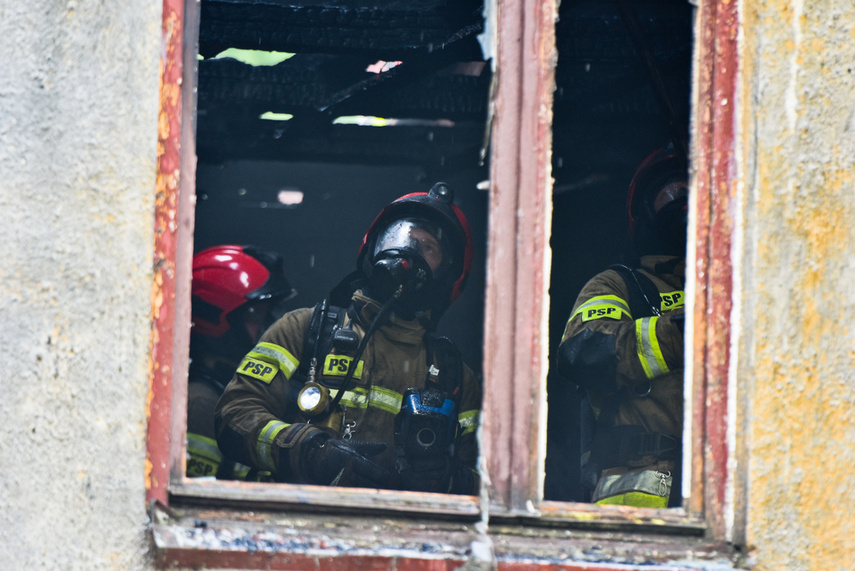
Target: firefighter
<point>623,344</point>
<point>359,391</point>
<point>236,291</point>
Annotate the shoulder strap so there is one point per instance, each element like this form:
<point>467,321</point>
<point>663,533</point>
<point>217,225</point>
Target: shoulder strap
<point>644,299</point>
<point>442,354</point>
<point>320,335</point>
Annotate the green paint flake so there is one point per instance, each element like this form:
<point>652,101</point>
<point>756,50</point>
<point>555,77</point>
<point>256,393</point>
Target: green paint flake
<point>271,116</point>
<point>254,58</point>
<point>361,120</point>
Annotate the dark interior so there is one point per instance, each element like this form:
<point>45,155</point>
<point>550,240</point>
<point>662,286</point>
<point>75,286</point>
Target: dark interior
<point>622,91</point>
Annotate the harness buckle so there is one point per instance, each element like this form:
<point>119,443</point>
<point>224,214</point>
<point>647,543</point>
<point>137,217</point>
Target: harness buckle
<point>663,483</point>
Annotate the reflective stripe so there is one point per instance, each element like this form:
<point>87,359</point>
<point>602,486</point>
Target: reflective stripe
<point>647,488</point>
<point>204,447</point>
<point>356,398</point>
<point>647,347</point>
<point>240,472</point>
<point>636,500</point>
<point>264,446</point>
<point>601,306</point>
<point>379,397</point>
<point>385,399</point>
<point>390,401</point>
<point>468,421</point>
<point>276,355</point>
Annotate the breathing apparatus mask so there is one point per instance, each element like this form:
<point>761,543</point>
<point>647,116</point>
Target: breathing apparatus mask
<point>658,204</point>
<point>408,255</point>
<point>671,214</point>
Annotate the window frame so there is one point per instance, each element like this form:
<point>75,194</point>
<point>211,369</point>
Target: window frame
<point>516,307</point>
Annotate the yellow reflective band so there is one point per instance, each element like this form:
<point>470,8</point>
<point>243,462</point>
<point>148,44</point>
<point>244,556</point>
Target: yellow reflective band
<point>647,347</point>
<point>602,306</point>
<point>378,397</point>
<point>386,399</point>
<point>636,499</point>
<point>356,398</point>
<point>264,446</point>
<point>275,355</point>
<point>468,421</point>
<point>240,471</point>
<point>336,365</point>
<point>204,457</point>
<point>672,300</point>
<point>204,447</point>
<point>261,370</point>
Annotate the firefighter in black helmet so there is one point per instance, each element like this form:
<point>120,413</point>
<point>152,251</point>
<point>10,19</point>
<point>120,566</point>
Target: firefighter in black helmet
<point>236,292</point>
<point>358,391</point>
<point>623,344</point>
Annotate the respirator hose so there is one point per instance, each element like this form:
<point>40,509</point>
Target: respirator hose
<point>375,323</point>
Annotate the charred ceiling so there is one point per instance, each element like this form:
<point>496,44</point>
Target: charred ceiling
<point>435,101</point>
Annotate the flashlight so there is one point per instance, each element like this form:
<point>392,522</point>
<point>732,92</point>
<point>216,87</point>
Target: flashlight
<point>313,399</point>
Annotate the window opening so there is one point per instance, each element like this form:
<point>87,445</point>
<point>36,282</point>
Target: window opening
<point>623,86</point>
<point>515,494</point>
<point>310,121</point>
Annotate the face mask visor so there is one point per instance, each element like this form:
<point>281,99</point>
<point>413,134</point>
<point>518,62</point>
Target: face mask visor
<point>671,216</point>
<point>411,237</point>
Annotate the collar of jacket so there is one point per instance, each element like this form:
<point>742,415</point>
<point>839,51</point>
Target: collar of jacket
<point>410,332</point>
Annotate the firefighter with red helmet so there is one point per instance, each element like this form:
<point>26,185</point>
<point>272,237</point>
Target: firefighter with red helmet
<point>236,291</point>
<point>359,391</point>
<point>623,344</point>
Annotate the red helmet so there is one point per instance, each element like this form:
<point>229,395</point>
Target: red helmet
<point>227,278</point>
<point>437,208</point>
<point>650,232</point>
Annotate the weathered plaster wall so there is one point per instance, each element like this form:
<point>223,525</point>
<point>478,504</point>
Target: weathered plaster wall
<point>796,369</point>
<point>78,124</point>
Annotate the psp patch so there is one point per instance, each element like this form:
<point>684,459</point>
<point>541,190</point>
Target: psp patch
<point>600,311</point>
<point>256,369</point>
<point>337,365</point>
<point>672,300</point>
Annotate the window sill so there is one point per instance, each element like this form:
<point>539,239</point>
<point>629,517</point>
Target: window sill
<point>298,536</point>
<point>314,498</point>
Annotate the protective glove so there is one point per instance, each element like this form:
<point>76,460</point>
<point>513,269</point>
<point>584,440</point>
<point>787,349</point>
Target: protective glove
<point>324,460</point>
<point>439,474</point>
<point>463,480</point>
<point>429,474</point>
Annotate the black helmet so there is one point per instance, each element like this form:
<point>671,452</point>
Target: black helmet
<point>657,204</point>
<point>398,250</point>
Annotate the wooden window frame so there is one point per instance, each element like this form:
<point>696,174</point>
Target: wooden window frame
<point>515,345</point>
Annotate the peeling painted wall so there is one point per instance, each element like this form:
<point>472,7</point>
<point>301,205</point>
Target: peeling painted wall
<point>796,373</point>
<point>78,124</point>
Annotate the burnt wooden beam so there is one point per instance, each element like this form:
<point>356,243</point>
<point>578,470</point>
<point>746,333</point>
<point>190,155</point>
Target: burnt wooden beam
<point>309,84</point>
<point>429,146</point>
<point>390,29</point>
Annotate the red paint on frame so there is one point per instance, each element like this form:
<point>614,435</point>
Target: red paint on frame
<point>165,243</point>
